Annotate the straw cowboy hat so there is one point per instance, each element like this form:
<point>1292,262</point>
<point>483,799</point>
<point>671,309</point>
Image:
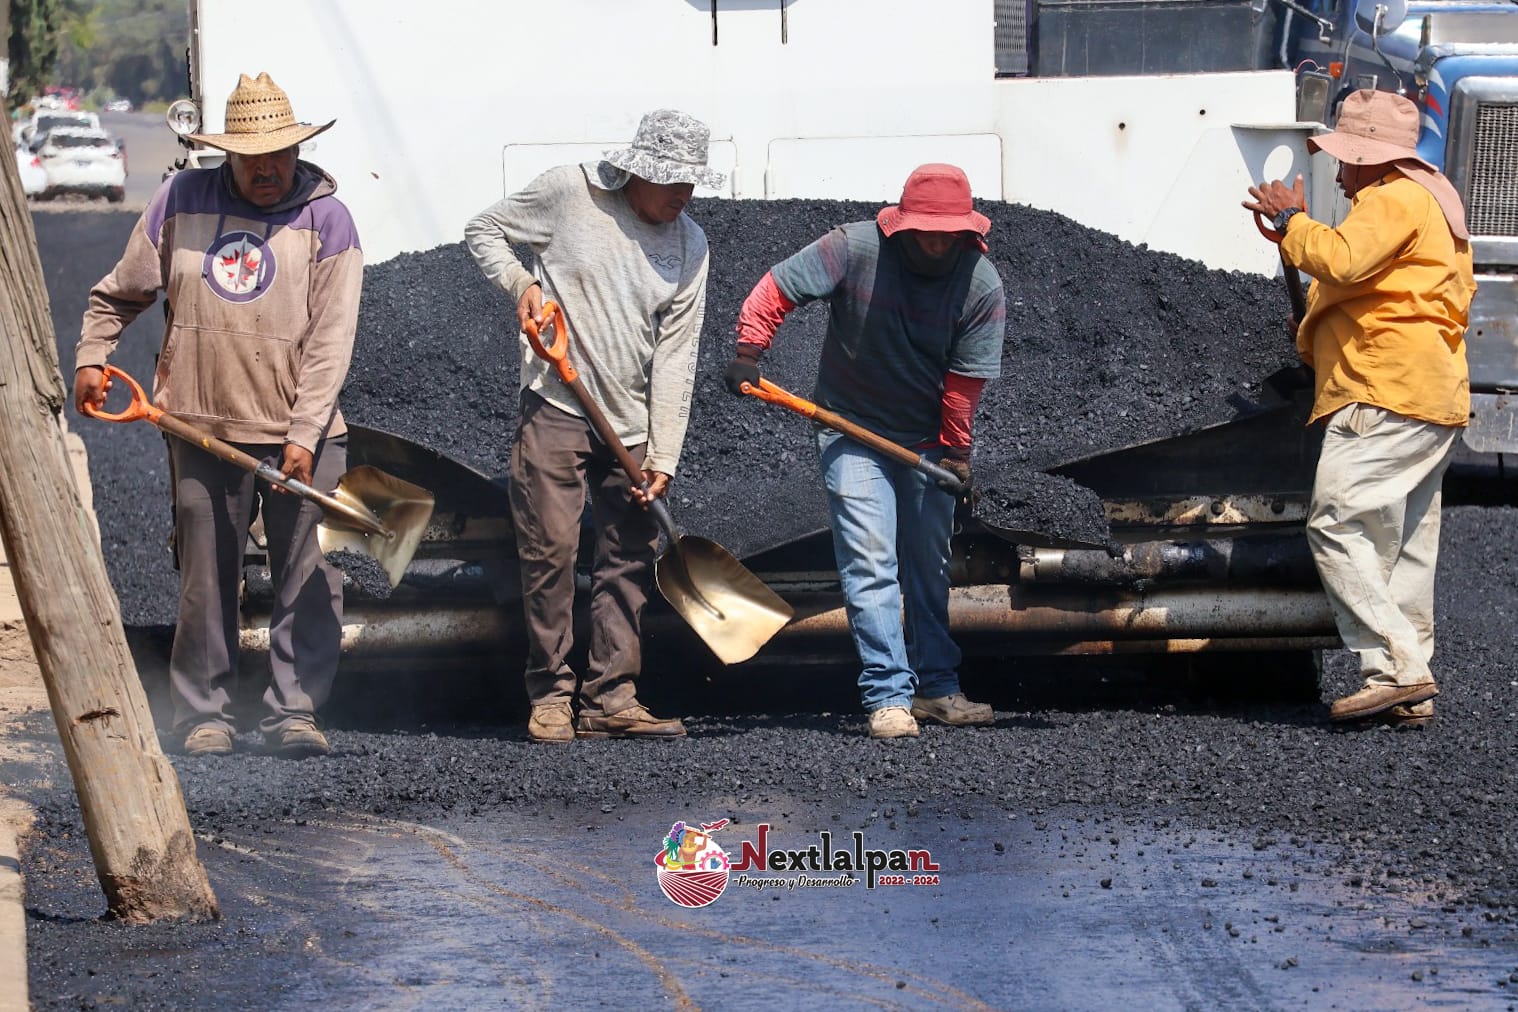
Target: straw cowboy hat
<point>670,147</point>
<point>259,120</point>
<point>1380,128</point>
<point>936,198</point>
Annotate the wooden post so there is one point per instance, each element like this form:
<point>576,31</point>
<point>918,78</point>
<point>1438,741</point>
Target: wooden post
<point>134,813</point>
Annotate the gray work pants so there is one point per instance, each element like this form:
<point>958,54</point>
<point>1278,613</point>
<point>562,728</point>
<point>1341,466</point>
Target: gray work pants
<point>555,457</point>
<point>213,506</point>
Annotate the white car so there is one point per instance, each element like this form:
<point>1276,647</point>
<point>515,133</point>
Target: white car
<point>33,175</point>
<point>46,121</point>
<point>87,162</point>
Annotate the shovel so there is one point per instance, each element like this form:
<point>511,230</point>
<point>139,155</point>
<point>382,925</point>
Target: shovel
<point>1293,278</point>
<point>730,608</point>
<point>370,512</point>
<point>942,476</point>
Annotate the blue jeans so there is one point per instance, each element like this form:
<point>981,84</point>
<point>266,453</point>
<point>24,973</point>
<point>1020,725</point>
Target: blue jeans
<point>891,531</point>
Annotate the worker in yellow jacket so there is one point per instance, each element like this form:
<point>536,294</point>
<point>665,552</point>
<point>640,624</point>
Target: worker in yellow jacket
<point>1384,335</point>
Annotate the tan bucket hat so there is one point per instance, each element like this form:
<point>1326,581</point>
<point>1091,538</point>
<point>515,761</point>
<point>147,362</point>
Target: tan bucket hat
<point>1374,128</point>
<point>259,120</point>
<point>1380,128</point>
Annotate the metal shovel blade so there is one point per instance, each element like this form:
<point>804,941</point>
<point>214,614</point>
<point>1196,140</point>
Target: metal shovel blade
<point>403,509</point>
<point>730,608</point>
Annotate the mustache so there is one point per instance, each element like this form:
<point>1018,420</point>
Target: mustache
<point>267,177</point>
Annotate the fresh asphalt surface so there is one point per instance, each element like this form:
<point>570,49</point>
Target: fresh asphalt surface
<point>1119,837</point>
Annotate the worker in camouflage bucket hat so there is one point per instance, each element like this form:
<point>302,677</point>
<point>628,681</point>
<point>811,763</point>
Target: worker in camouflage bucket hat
<point>616,251</point>
<point>670,147</point>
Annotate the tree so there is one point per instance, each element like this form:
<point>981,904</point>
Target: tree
<point>36,29</point>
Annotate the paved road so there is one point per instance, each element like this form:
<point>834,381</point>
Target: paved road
<point>151,148</point>
<point>561,909</point>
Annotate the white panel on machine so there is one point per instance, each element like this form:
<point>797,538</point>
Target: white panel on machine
<point>522,163</point>
<point>874,168</point>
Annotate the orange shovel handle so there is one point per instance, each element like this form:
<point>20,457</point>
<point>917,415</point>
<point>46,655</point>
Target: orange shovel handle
<point>140,407</point>
<point>556,350</point>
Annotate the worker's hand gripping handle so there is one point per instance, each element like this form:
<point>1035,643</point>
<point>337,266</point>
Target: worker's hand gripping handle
<point>139,408</point>
<point>556,351</point>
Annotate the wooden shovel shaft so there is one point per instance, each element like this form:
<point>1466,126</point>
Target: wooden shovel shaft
<point>232,455</point>
<point>768,391</point>
<point>1294,289</point>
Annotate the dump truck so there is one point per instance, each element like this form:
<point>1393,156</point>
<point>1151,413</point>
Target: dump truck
<point>1146,119</point>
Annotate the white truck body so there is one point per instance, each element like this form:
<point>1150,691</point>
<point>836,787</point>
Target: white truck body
<point>443,108</point>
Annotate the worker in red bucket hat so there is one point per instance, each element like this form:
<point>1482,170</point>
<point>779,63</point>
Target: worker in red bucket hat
<point>915,326</point>
<point>1384,334</point>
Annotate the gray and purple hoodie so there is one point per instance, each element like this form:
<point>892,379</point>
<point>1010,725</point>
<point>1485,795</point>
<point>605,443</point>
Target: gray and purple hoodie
<point>262,305</point>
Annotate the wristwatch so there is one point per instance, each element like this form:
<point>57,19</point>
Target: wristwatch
<point>1285,216</point>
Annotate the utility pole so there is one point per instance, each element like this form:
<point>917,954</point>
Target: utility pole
<point>134,813</point>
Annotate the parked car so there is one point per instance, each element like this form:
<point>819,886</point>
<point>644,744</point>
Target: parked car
<point>33,175</point>
<point>35,133</point>
<point>119,105</point>
<point>86,162</point>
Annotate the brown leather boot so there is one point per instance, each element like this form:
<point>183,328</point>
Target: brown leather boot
<point>633,722</point>
<point>1373,699</point>
<point>551,722</point>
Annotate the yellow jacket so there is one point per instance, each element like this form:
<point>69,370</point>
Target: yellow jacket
<point>1386,316</point>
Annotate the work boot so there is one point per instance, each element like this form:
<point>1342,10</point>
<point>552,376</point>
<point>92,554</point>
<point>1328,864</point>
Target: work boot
<point>1373,699</point>
<point>298,741</point>
<point>208,739</point>
<point>553,722</point>
<point>1416,715</point>
<point>633,722</point>
<point>955,710</point>
<point>892,722</point>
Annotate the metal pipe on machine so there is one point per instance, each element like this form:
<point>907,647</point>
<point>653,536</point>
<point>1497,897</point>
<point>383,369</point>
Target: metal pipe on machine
<point>1261,560</point>
<point>980,613</point>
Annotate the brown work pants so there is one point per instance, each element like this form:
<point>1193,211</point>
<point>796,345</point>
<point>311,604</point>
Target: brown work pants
<point>556,457</point>
<point>213,507</point>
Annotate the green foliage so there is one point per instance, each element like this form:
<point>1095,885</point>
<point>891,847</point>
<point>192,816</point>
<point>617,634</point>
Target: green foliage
<point>128,48</point>
<point>36,30</point>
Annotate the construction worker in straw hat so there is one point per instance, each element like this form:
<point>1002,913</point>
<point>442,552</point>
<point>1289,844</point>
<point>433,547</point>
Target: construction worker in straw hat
<point>1384,335</point>
<point>916,320</point>
<point>261,269</point>
<point>615,249</point>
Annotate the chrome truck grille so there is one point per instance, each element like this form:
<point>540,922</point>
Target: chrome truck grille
<point>1492,194</point>
<point>1481,160</point>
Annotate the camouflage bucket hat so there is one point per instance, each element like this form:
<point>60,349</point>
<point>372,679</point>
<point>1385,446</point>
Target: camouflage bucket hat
<point>670,147</point>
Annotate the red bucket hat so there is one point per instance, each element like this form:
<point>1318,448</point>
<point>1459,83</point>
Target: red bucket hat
<point>935,199</point>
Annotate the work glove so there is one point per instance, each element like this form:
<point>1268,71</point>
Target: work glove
<point>959,467</point>
<point>743,369</point>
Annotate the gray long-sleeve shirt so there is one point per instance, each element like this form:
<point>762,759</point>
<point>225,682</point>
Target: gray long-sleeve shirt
<point>634,294</point>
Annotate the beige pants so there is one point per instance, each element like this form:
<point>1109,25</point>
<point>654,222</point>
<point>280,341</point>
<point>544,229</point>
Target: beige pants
<point>1374,532</point>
